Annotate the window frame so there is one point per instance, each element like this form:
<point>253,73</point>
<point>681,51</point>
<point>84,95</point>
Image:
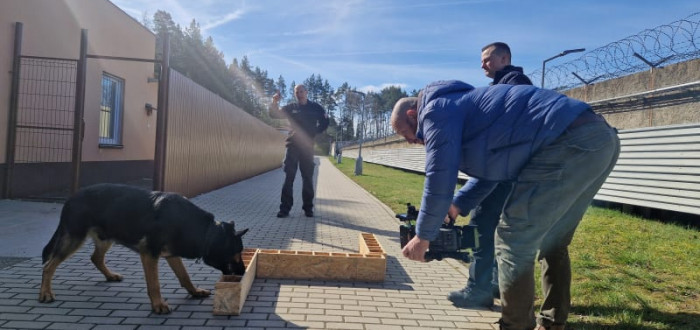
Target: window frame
<point>117,115</point>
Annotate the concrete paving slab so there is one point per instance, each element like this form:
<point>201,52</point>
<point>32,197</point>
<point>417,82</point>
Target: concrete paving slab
<point>26,227</point>
<point>413,295</point>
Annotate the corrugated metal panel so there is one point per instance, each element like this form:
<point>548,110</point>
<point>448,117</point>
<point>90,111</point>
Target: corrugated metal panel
<point>659,167</point>
<point>212,143</point>
<point>408,158</point>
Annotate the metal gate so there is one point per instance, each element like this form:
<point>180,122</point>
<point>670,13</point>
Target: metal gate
<point>43,147</point>
<point>45,127</point>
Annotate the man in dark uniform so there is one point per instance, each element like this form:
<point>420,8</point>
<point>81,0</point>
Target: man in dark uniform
<point>482,285</point>
<point>306,119</point>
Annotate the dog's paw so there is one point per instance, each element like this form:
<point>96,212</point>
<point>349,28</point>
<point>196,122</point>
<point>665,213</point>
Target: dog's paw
<point>161,307</point>
<point>200,293</point>
<point>114,277</point>
<point>46,297</point>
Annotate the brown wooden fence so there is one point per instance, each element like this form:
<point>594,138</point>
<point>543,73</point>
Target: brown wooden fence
<point>212,143</point>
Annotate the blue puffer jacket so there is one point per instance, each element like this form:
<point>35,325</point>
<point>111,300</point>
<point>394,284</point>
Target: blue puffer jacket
<point>489,133</point>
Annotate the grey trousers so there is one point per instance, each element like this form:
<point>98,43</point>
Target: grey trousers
<point>551,194</point>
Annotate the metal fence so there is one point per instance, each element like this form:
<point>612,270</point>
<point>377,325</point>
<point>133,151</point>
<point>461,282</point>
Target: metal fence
<point>45,110</point>
<point>659,167</point>
<point>212,143</point>
<point>41,128</point>
<point>666,44</point>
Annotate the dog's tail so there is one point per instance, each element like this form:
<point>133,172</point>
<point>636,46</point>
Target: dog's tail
<point>52,245</point>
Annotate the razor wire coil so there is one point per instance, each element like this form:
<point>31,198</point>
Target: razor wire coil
<point>666,44</point>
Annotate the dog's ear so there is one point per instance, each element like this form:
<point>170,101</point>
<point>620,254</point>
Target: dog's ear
<point>228,228</point>
<point>242,232</point>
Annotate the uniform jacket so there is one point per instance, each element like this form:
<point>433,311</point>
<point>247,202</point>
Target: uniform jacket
<point>489,133</point>
<point>511,75</point>
<point>305,120</point>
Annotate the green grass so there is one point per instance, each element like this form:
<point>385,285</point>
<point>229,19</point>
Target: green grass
<point>628,272</point>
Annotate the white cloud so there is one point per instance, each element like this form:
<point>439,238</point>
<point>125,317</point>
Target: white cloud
<point>215,22</point>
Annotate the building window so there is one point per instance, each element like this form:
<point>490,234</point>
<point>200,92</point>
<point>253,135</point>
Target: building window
<point>111,110</point>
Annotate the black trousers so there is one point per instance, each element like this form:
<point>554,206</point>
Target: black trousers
<point>303,158</point>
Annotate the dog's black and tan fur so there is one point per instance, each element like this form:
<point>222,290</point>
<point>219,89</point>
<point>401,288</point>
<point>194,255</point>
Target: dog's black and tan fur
<point>154,224</point>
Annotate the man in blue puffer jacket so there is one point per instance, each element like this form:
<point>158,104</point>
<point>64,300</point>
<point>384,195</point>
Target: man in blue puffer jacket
<point>482,284</point>
<point>553,149</point>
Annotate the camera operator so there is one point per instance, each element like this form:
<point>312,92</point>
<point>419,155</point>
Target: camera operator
<point>554,150</point>
<point>482,284</point>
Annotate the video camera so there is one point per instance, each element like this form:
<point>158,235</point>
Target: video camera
<point>450,243</point>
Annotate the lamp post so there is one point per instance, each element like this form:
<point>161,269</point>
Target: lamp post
<point>566,52</point>
<point>358,162</point>
<point>339,138</point>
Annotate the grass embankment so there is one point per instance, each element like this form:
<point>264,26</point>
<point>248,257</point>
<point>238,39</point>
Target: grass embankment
<point>628,272</point>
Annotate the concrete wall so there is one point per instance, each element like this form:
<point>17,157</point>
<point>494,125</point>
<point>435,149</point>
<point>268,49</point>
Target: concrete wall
<point>658,97</point>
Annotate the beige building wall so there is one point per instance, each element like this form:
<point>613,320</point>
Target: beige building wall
<point>52,28</point>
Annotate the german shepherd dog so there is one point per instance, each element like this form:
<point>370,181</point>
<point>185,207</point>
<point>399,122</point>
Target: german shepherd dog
<point>154,224</point>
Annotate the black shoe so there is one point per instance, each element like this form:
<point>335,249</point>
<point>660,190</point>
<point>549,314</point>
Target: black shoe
<point>309,213</point>
<point>282,214</point>
<point>467,298</point>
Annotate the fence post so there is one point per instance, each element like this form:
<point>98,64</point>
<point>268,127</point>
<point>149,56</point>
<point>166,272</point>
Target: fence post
<point>162,119</point>
<point>12,116</point>
<point>78,115</point>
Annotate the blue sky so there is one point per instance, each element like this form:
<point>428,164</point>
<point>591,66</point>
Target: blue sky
<point>408,43</point>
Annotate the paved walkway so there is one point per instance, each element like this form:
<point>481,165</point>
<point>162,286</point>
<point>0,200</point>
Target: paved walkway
<point>411,297</point>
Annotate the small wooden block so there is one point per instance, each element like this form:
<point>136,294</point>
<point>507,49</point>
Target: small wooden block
<point>231,291</point>
<point>371,268</point>
<point>370,244</point>
<point>227,297</point>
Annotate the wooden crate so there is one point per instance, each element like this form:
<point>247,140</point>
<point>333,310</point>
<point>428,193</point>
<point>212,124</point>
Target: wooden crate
<point>328,266</point>
<point>368,265</point>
